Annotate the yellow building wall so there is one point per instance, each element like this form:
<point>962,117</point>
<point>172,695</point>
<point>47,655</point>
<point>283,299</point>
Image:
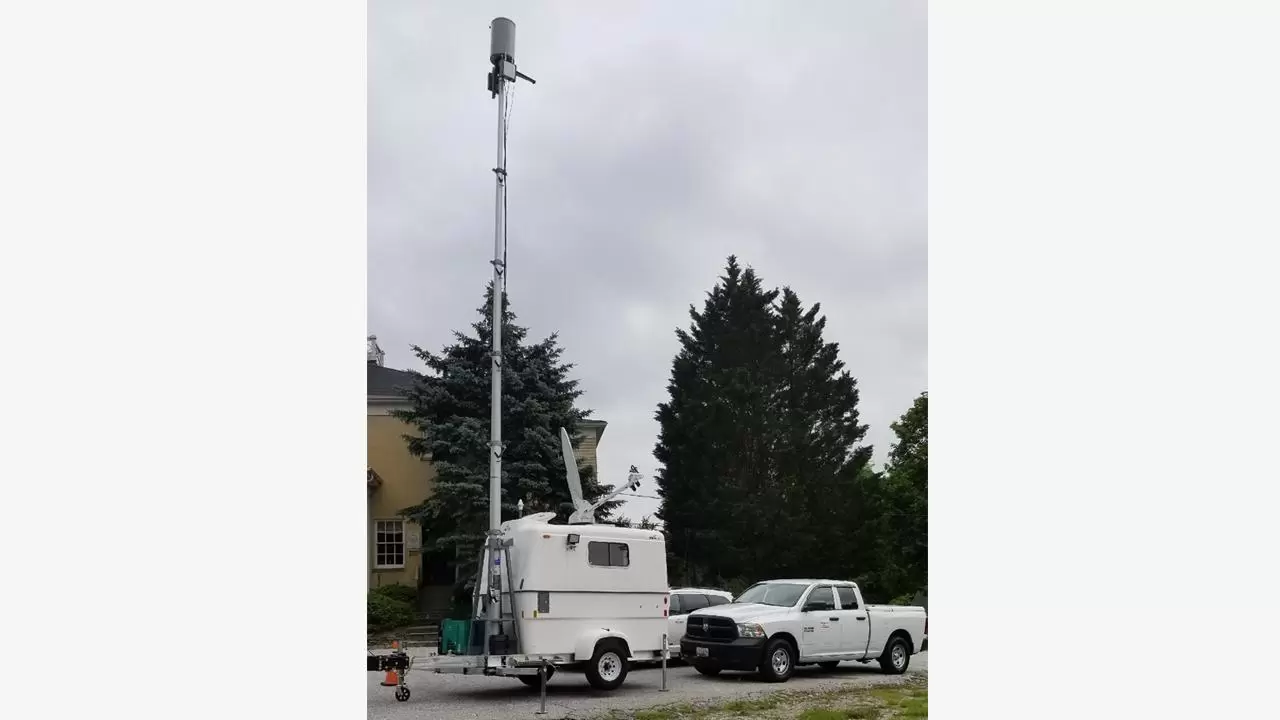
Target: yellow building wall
<point>406,481</point>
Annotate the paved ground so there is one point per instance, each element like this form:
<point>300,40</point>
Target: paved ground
<point>569,695</point>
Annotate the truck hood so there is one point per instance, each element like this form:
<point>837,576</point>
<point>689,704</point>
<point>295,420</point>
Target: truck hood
<point>750,612</point>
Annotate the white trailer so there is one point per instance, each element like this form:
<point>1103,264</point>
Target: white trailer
<point>592,596</point>
<point>581,595</point>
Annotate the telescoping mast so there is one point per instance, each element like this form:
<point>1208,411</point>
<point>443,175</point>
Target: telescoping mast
<point>563,634</point>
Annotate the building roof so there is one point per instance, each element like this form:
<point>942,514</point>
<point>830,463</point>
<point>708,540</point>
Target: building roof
<point>386,382</point>
<point>593,425</point>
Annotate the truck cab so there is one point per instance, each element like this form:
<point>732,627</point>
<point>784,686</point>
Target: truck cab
<point>777,625</point>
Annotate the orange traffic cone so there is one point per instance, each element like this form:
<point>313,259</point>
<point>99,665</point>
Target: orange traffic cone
<point>393,678</point>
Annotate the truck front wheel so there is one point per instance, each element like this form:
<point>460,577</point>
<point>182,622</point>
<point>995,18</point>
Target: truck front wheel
<point>778,662</point>
<point>896,657</point>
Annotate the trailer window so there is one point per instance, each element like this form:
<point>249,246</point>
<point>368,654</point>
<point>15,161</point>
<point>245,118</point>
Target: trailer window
<point>607,554</point>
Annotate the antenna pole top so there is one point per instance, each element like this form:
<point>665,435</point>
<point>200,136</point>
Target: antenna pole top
<point>502,44</point>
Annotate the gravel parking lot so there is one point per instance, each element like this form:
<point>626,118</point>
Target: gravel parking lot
<point>569,695</point>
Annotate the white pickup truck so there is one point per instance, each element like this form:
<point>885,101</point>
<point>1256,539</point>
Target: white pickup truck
<point>779,624</point>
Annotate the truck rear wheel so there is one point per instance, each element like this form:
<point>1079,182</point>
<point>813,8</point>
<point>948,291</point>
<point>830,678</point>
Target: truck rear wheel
<point>896,656</point>
<point>608,666</point>
<point>778,662</point>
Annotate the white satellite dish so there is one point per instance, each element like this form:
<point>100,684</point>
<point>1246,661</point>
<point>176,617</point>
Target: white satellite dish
<point>584,513</point>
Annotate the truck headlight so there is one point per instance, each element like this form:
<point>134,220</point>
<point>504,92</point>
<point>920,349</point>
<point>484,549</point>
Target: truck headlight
<point>750,630</point>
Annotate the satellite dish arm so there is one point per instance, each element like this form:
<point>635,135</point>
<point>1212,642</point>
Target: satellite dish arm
<point>588,513</point>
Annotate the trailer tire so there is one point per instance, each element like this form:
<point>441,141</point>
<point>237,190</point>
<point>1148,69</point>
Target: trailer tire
<point>896,656</point>
<point>778,661</point>
<point>706,668</point>
<point>532,680</point>
<point>608,666</point>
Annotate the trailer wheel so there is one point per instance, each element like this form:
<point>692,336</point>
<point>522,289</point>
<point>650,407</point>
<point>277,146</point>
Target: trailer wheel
<point>532,680</point>
<point>608,666</point>
<point>896,656</point>
<point>778,661</point>
<point>402,693</point>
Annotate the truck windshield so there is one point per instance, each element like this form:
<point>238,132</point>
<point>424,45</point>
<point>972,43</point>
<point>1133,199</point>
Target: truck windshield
<point>777,594</point>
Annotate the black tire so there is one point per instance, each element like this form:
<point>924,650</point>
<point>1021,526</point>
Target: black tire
<point>533,681</point>
<point>402,694</point>
<point>778,661</point>
<point>896,656</point>
<point>608,666</point>
<point>706,668</point>
<point>832,665</point>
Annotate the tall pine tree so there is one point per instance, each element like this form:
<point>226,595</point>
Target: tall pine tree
<point>906,495</point>
<point>817,440</point>
<point>713,438</point>
<point>449,408</point>
<point>760,431</point>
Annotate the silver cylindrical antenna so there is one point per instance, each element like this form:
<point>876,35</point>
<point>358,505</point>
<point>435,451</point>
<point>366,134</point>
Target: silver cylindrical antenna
<point>502,45</point>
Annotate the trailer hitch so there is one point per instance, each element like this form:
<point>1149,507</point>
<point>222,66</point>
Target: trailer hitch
<point>396,666</point>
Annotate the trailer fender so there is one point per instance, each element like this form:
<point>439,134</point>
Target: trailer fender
<point>586,645</point>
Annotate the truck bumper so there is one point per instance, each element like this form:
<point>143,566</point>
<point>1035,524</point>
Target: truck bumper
<point>739,654</point>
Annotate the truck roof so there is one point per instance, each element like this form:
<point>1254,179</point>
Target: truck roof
<point>811,581</point>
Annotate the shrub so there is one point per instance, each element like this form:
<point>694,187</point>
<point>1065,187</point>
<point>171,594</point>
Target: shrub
<point>403,593</point>
<point>388,612</point>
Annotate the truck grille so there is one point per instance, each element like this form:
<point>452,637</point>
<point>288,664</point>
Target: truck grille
<point>711,627</point>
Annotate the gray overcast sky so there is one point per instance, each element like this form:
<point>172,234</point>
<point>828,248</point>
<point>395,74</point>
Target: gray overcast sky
<point>660,138</point>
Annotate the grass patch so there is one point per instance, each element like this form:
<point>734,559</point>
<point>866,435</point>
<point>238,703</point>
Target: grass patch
<point>908,701</point>
<point>851,713</point>
<point>682,711</point>
<point>752,705</point>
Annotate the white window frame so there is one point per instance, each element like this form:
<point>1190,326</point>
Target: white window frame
<point>404,551</point>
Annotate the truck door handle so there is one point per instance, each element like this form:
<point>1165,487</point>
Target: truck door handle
<point>835,619</point>
<point>860,618</point>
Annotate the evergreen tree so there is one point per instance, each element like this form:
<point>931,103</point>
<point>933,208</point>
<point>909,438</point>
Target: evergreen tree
<point>817,442</point>
<point>713,439</point>
<point>449,409</point>
<point>760,431</point>
<point>906,491</point>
